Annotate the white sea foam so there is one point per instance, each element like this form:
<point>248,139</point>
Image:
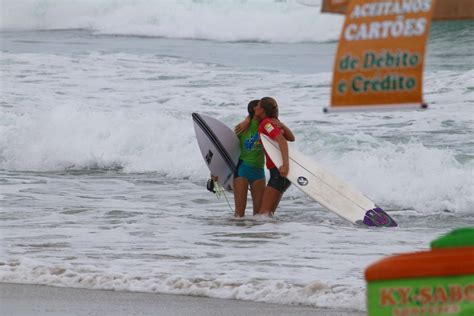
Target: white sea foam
<point>85,117</point>
<point>151,226</point>
<point>277,291</point>
<point>230,20</point>
<point>260,261</point>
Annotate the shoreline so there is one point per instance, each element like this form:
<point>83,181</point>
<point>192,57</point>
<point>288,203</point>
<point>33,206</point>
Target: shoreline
<point>29,299</point>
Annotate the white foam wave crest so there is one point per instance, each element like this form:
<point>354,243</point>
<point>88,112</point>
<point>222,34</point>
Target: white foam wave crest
<point>315,293</point>
<point>120,110</point>
<point>231,20</point>
<point>70,137</point>
<point>405,176</point>
<point>400,175</point>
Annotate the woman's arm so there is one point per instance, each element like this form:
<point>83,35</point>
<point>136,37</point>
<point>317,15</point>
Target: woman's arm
<point>284,155</point>
<point>286,131</point>
<point>242,126</point>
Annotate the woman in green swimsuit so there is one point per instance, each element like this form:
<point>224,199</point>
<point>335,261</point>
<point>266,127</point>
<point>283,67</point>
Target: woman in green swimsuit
<point>250,169</point>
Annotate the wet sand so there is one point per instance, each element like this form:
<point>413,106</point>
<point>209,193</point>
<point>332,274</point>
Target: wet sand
<point>26,300</point>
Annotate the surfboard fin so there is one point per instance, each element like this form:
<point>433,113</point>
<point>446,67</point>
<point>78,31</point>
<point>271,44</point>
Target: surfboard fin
<point>378,218</point>
<point>210,186</point>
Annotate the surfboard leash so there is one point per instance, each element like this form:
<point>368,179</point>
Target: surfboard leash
<point>221,192</point>
<point>218,190</point>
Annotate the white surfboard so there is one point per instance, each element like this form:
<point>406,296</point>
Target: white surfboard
<point>328,190</point>
<point>219,147</point>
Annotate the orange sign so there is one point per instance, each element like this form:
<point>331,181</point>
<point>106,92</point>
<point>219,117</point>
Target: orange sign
<point>444,9</point>
<point>334,6</point>
<point>379,62</point>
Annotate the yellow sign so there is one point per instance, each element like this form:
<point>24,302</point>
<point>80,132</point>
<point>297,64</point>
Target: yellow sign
<point>379,62</point>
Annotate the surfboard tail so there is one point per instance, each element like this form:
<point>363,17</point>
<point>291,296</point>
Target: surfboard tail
<point>378,218</point>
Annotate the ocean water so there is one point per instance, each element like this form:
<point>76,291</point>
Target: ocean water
<point>102,184</point>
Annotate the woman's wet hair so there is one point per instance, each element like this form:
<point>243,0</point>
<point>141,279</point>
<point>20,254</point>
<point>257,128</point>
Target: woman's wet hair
<point>251,107</point>
<point>269,106</point>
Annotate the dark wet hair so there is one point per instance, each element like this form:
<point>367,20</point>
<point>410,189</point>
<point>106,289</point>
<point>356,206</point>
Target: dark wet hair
<point>269,106</point>
<point>251,107</point>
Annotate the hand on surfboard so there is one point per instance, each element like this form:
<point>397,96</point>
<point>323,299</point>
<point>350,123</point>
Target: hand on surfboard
<point>284,169</point>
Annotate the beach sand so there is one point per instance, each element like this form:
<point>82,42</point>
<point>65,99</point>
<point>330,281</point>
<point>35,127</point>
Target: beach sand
<point>25,300</point>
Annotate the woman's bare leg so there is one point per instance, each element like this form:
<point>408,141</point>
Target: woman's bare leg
<point>240,195</point>
<point>271,198</point>
<point>275,205</point>
<point>257,188</point>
